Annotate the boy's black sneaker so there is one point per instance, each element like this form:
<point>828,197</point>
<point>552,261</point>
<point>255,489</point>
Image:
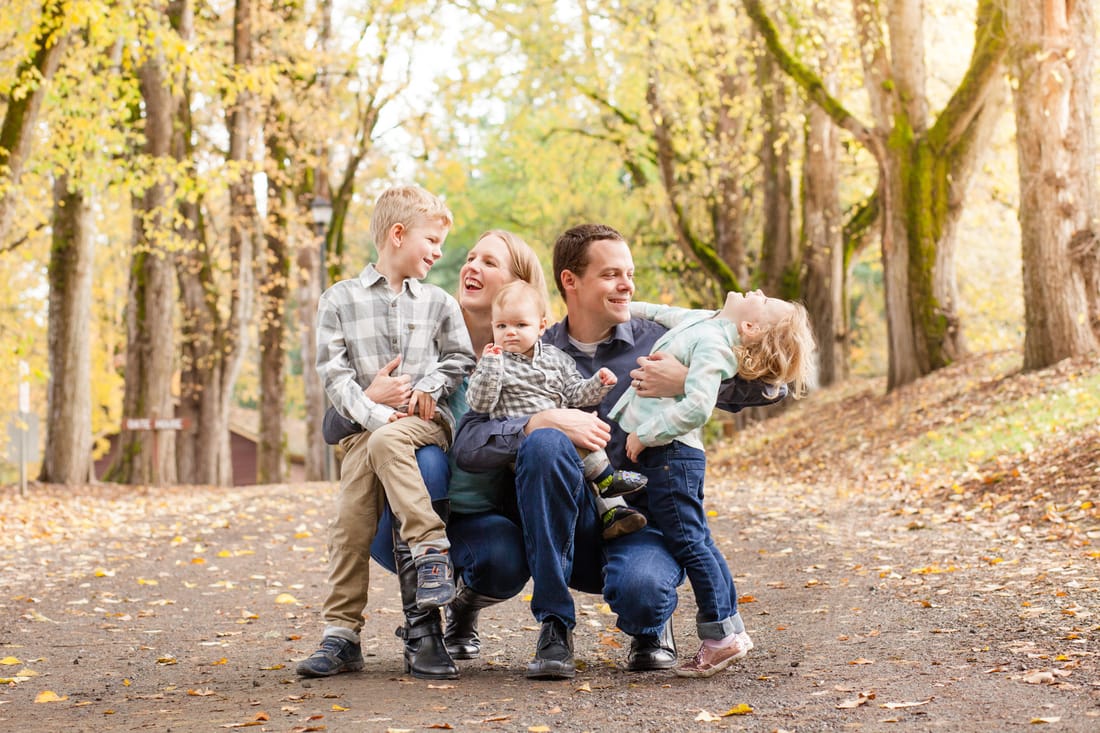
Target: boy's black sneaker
<point>435,580</point>
<point>335,655</point>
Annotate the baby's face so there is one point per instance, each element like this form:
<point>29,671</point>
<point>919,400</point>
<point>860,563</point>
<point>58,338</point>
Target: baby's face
<point>517,325</point>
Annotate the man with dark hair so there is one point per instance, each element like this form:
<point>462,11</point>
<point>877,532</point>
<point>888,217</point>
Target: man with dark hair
<point>594,272</point>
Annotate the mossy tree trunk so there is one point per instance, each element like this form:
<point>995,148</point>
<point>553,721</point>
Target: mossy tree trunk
<point>273,291</point>
<point>67,458</point>
<point>1052,61</point>
<point>923,171</point>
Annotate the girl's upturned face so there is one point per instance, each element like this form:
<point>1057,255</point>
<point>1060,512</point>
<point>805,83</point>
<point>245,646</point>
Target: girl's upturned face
<point>754,310</point>
<point>486,270</point>
<point>517,325</point>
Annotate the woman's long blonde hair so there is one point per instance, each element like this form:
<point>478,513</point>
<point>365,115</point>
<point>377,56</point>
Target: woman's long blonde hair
<point>523,262</point>
<point>784,353</point>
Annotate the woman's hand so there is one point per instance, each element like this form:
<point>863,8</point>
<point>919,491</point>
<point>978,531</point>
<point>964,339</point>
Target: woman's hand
<point>585,429</point>
<point>390,391</point>
<point>634,447</point>
<point>659,375</point>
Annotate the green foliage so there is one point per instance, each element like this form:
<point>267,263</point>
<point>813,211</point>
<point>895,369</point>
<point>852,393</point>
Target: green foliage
<point>1010,428</point>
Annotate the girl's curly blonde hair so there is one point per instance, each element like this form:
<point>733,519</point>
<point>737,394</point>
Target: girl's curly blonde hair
<point>785,353</point>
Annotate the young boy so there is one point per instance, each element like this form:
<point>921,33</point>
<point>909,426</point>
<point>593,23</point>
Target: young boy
<point>755,337</point>
<point>363,324</point>
<point>519,375</point>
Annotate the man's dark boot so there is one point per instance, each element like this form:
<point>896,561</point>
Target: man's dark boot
<point>426,656</point>
<point>554,655</point>
<point>649,653</point>
<point>461,635</point>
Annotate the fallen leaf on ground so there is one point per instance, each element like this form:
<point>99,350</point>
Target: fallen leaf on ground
<point>855,702</point>
<point>898,705</point>
<point>49,696</point>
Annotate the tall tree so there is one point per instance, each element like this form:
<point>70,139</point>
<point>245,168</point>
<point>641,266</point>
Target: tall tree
<point>67,458</point>
<point>148,456</point>
<point>778,260</point>
<point>822,244</point>
<point>1059,210</point>
<point>924,169</point>
<point>203,335</point>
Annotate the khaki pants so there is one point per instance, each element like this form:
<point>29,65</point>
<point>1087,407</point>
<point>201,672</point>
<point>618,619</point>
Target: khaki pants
<point>376,466</point>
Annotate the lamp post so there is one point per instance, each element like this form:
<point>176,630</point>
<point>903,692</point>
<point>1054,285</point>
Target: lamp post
<point>320,210</point>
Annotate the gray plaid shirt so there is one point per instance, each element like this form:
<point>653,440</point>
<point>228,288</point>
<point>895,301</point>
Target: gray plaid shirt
<point>362,325</point>
<point>514,385</point>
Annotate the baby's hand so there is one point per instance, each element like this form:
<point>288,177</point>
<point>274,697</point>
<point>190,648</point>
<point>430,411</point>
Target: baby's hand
<point>492,349</point>
<point>607,377</point>
<point>634,447</point>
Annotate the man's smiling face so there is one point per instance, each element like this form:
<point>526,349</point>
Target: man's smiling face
<point>604,291</point>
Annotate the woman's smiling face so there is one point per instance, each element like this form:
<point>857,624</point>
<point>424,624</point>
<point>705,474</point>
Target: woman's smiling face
<point>487,269</point>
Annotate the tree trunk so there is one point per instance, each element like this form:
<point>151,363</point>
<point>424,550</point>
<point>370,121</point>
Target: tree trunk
<point>244,224</point>
<point>271,458</point>
<point>825,276</point>
<point>923,172</point>
<point>148,456</point>
<point>67,458</point>
<point>201,443</point>
<point>23,104</point>
<point>779,267</point>
<point>1057,158</point>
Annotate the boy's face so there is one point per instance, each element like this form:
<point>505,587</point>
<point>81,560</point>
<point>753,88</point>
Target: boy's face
<point>416,248</point>
<point>517,325</point>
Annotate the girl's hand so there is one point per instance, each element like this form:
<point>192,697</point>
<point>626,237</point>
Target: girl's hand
<point>492,349</point>
<point>421,405</point>
<point>607,377</point>
<point>659,375</point>
<point>634,447</point>
<point>390,391</point>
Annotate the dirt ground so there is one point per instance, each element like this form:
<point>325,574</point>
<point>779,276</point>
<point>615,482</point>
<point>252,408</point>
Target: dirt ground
<point>875,603</point>
<point>186,609</point>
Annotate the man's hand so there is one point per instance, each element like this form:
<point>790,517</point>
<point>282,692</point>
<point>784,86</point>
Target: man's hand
<point>607,377</point>
<point>659,375</point>
<point>634,447</point>
<point>421,405</point>
<point>390,391</point>
<point>585,429</point>
<point>492,349</point>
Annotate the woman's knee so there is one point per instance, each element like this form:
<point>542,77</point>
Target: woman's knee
<point>435,470</point>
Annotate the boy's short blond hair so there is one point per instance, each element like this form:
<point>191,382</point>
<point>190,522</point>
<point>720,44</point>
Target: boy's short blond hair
<point>520,290</point>
<point>409,206</point>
